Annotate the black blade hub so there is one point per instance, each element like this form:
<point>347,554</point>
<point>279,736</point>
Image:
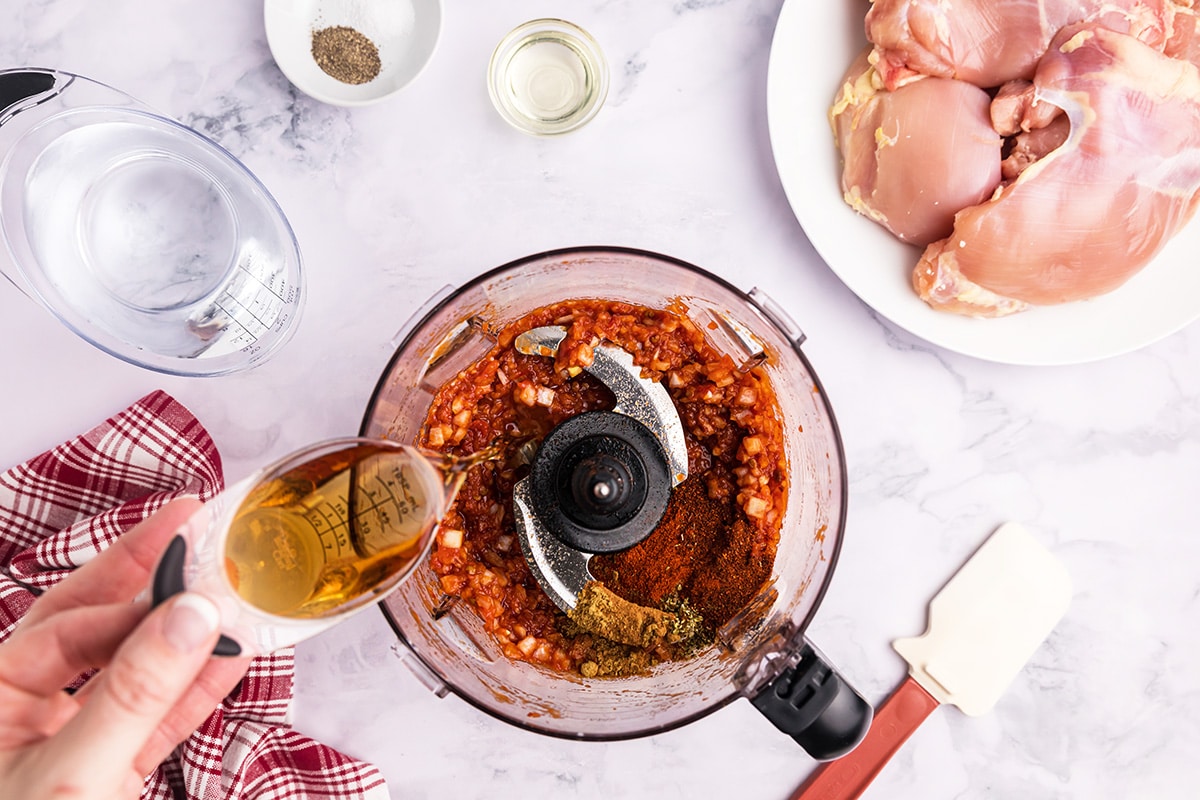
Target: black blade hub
<point>600,482</point>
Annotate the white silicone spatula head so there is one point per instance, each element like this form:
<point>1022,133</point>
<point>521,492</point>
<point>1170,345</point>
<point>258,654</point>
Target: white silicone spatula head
<point>985,624</point>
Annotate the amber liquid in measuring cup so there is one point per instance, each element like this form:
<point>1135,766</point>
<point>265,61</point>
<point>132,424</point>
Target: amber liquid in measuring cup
<point>306,542</point>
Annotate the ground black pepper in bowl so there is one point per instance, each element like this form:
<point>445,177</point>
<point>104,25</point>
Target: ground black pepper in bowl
<point>345,54</point>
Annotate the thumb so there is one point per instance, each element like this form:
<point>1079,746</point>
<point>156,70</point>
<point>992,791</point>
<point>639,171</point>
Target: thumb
<point>149,674</point>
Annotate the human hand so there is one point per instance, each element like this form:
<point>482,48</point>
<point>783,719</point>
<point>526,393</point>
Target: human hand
<point>157,680</point>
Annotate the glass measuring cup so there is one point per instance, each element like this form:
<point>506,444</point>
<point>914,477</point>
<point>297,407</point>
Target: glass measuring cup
<point>142,236</point>
<point>305,542</point>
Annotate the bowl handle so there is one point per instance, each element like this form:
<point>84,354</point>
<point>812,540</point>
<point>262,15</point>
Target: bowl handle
<point>19,85</point>
<point>816,706</point>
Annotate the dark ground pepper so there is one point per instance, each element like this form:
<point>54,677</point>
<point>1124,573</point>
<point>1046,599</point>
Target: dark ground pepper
<point>345,54</point>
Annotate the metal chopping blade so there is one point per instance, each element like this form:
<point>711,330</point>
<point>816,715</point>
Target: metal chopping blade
<point>644,400</point>
<point>561,570</point>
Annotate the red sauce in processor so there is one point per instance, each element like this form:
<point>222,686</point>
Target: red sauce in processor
<point>714,548</point>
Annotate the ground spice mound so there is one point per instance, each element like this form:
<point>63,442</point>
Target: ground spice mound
<point>601,611</point>
<point>345,54</point>
<point>709,556</point>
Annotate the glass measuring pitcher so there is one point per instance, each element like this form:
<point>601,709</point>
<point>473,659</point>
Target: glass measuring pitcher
<point>302,544</point>
<point>144,237</point>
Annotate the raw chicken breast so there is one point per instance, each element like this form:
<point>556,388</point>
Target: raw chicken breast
<point>1028,147</point>
<point>1083,218</point>
<point>1016,108</point>
<point>990,42</point>
<point>913,157</point>
<point>1184,43</point>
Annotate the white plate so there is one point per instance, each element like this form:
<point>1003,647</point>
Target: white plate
<point>814,44</point>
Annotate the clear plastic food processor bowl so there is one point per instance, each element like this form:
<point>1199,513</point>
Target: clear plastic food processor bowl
<point>453,653</point>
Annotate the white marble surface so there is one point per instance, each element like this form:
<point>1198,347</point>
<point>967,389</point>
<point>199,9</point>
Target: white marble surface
<point>391,202</point>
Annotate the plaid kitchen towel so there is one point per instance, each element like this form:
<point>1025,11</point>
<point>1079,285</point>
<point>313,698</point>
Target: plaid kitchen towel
<point>62,507</point>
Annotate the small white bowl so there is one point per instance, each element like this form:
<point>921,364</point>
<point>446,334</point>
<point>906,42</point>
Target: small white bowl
<point>404,31</point>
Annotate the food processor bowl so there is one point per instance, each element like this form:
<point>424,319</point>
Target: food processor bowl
<point>762,643</point>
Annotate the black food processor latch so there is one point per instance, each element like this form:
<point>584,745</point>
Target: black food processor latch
<point>813,703</point>
<point>601,480</point>
<point>19,86</point>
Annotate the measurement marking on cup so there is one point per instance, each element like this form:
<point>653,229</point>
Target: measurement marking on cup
<point>234,316</point>
<point>250,308</point>
<point>261,282</point>
<point>233,320</point>
<point>331,522</point>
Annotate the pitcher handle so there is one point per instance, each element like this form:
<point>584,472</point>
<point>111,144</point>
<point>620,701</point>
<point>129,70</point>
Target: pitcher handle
<point>21,89</point>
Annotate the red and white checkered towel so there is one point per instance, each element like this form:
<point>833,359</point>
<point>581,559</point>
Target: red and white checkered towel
<point>61,508</point>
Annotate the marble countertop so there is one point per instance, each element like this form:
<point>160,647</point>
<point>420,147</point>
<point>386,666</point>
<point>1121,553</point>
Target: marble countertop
<point>391,202</point>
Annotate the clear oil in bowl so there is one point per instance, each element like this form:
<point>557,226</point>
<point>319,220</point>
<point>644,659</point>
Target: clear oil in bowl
<point>548,77</point>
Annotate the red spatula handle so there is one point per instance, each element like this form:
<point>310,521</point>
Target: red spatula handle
<point>849,776</point>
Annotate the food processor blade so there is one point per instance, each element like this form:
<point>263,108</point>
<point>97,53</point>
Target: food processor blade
<point>561,571</point>
<point>644,400</point>
<point>601,480</point>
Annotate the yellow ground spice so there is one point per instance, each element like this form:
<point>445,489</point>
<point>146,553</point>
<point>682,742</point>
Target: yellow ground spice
<point>603,613</point>
<point>627,635</point>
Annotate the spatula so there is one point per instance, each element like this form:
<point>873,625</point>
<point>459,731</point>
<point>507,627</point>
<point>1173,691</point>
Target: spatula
<point>983,627</point>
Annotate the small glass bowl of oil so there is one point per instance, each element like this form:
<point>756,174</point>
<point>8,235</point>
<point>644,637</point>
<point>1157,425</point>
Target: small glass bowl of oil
<point>548,77</point>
